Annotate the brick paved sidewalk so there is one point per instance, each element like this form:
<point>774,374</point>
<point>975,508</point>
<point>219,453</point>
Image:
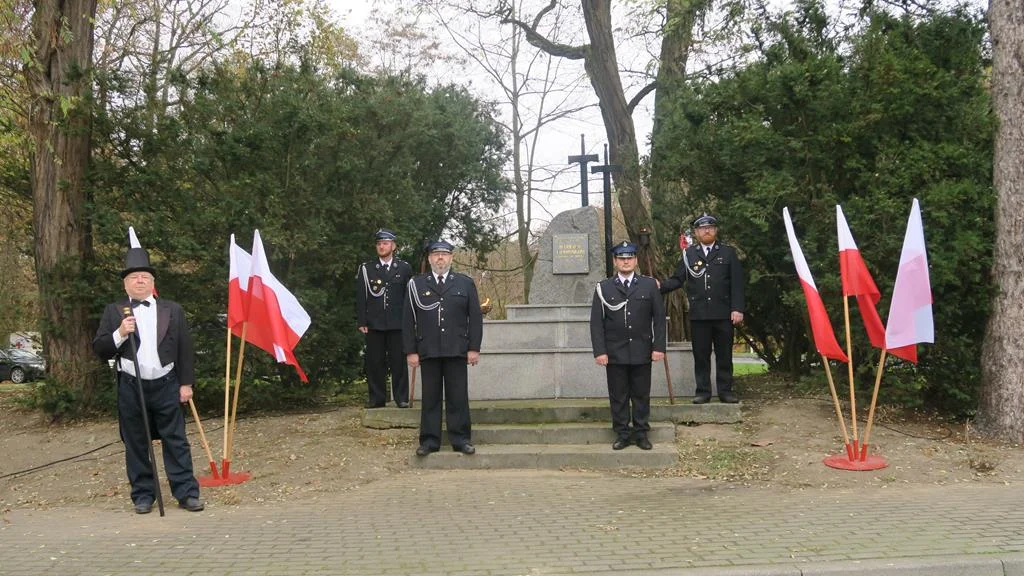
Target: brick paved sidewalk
<point>542,523</point>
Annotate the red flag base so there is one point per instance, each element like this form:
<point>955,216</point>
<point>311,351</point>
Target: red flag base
<point>225,478</point>
<point>843,462</point>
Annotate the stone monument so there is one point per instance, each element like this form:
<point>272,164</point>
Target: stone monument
<point>570,259</point>
<point>543,349</point>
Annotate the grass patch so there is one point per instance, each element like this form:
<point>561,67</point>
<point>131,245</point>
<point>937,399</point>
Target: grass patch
<point>747,368</point>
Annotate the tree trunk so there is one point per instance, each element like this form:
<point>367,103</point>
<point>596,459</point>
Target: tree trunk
<point>1001,408</point>
<point>59,124</point>
<point>602,66</point>
<point>677,36</point>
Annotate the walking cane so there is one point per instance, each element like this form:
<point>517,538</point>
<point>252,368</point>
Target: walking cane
<point>645,240</point>
<point>145,418</point>
<point>412,386</point>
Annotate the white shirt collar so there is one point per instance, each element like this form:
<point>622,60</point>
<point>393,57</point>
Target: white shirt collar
<point>626,278</point>
<point>386,262</point>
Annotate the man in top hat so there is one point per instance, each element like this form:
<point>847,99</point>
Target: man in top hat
<point>165,366</point>
<point>380,297</point>
<point>713,277</point>
<point>627,332</point>
<point>443,329</point>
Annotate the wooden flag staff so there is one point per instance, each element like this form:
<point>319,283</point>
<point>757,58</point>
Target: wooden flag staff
<point>871,411</point>
<point>202,436</point>
<point>849,365</point>
<point>227,476</point>
<point>839,410</point>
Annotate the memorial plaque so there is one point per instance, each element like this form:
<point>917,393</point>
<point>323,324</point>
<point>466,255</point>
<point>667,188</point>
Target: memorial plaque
<point>570,254</point>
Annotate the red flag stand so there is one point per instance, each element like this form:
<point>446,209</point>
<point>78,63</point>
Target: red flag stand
<point>226,477</point>
<point>843,462</point>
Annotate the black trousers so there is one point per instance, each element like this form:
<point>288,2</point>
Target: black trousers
<point>708,334</point>
<point>384,353</point>
<point>446,378</point>
<point>167,423</point>
<point>629,392</point>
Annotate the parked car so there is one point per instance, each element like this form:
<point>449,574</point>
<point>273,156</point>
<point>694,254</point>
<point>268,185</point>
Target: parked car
<point>20,366</point>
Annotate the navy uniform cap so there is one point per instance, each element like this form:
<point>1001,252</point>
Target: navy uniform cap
<point>385,234</point>
<point>624,249</point>
<point>440,246</point>
<point>705,220</point>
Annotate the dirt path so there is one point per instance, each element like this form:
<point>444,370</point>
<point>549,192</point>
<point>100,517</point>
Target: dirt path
<point>298,457</point>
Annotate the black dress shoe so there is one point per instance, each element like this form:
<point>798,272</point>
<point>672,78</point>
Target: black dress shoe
<point>466,448</point>
<point>644,443</point>
<point>728,398</point>
<point>701,399</point>
<point>192,504</point>
<point>143,507</point>
<point>423,450</point>
<point>620,443</point>
<point>403,404</point>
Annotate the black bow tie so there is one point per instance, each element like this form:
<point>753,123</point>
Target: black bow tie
<point>136,303</point>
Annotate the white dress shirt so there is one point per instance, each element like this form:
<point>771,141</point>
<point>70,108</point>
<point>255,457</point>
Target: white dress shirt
<point>149,358</point>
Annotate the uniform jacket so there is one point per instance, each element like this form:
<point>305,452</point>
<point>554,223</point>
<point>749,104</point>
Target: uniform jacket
<point>444,322</point>
<point>714,284</point>
<point>627,335</point>
<point>380,294</point>
<point>175,342</point>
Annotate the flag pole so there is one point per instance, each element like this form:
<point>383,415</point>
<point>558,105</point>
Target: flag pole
<point>849,364</point>
<point>234,405</point>
<point>839,410</point>
<point>871,411</point>
<point>202,436</point>
<point>227,394</point>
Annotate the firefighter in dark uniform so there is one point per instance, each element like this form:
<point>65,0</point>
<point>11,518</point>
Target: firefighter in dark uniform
<point>627,332</point>
<point>713,277</point>
<point>442,331</point>
<point>380,296</point>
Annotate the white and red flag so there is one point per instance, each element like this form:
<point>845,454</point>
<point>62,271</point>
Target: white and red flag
<point>240,263</point>
<point>276,319</point>
<point>857,281</point>
<point>821,327</point>
<point>910,313</point>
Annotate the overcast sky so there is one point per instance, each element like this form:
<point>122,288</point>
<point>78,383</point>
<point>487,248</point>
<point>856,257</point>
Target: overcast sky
<point>560,139</point>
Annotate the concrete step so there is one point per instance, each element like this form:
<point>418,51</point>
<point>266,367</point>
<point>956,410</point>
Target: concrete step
<point>560,433</point>
<point>520,374</point>
<point>536,335</point>
<point>548,311</point>
<point>559,410</point>
<point>551,457</point>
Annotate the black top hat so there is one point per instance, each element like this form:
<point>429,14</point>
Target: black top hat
<point>136,260</point>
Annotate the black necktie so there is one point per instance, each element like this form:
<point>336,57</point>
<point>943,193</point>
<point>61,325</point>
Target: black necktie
<point>625,283</point>
<point>135,303</point>
<point>440,280</point>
